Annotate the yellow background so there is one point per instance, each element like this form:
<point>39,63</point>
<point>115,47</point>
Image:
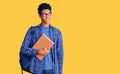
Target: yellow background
<point>90,28</point>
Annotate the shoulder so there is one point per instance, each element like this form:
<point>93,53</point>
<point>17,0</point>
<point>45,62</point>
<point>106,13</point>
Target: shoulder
<point>56,30</point>
<point>32,29</point>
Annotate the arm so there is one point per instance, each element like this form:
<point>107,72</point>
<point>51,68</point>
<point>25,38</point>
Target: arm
<point>25,48</point>
<point>60,53</point>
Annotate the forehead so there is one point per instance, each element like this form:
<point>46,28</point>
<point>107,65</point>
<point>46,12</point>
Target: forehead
<point>46,11</point>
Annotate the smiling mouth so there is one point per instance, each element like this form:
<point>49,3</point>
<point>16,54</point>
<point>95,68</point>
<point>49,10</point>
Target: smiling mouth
<point>47,19</point>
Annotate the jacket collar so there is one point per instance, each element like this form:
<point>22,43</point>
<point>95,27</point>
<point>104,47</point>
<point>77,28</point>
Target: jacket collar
<point>50,30</point>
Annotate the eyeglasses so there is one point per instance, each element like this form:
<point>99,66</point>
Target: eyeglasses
<point>46,14</point>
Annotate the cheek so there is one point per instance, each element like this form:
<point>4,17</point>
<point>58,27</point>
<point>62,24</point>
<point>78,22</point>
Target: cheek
<point>43,18</point>
<point>46,18</point>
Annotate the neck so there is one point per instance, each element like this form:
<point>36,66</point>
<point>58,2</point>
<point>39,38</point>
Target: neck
<point>45,24</point>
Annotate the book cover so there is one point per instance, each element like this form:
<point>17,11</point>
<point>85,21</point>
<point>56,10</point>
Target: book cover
<point>43,42</point>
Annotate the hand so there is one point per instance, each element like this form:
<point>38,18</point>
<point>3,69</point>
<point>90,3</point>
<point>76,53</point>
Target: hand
<point>44,51</point>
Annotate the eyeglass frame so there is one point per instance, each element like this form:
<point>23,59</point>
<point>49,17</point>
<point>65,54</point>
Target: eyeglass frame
<point>45,14</point>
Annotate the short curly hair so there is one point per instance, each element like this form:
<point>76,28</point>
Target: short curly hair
<point>43,6</point>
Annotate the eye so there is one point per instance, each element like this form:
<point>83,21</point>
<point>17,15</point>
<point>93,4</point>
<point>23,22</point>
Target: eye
<point>46,14</point>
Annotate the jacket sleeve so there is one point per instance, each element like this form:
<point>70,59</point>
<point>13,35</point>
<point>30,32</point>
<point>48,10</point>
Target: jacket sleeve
<point>25,48</point>
<point>60,52</point>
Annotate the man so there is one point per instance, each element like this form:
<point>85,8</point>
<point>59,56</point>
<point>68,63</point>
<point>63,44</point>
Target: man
<point>53,61</point>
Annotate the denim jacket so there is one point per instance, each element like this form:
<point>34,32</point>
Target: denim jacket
<point>30,39</point>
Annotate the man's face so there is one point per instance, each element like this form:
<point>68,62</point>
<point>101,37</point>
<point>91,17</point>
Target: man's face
<point>45,16</point>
